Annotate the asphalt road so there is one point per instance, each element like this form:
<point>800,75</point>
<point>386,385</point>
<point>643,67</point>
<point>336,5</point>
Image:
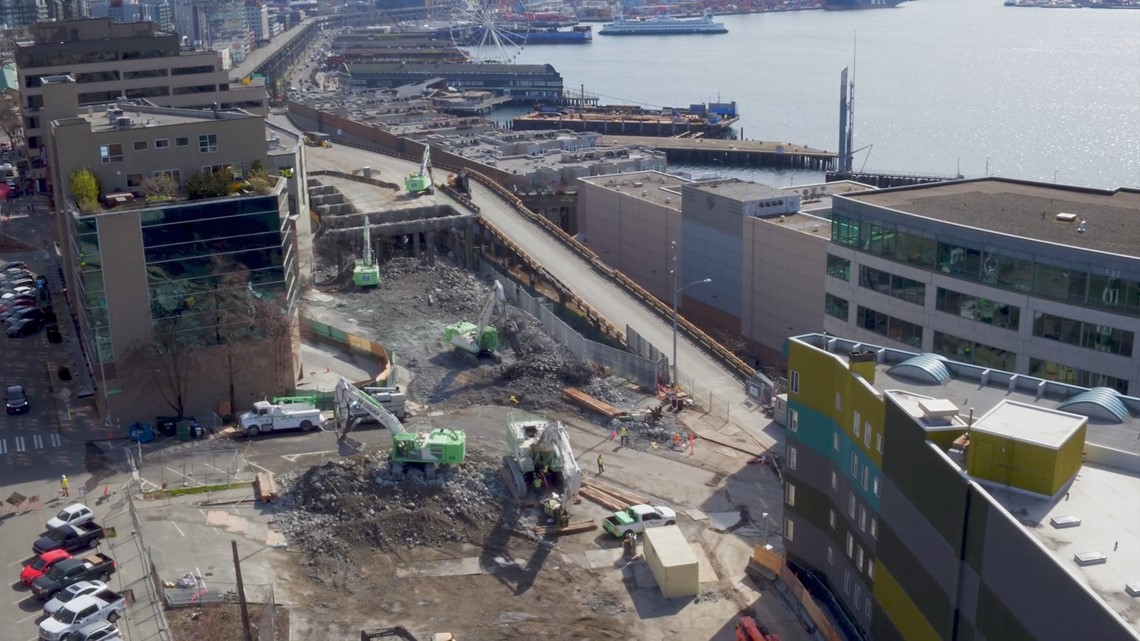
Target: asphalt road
<point>603,295</point>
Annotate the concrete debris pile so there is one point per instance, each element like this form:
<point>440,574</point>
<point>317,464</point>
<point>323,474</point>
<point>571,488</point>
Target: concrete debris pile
<point>442,290</point>
<point>349,504</point>
<point>541,368</point>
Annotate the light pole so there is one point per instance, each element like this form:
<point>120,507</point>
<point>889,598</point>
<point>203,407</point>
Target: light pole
<point>676,292</point>
<point>767,532</point>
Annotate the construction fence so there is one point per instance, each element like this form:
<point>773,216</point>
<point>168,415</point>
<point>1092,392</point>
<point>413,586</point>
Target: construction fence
<point>644,371</point>
<point>153,583</point>
<point>775,564</point>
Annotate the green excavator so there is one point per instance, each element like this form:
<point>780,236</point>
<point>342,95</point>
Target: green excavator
<point>420,182</point>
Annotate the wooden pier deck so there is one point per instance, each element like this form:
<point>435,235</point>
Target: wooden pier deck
<point>744,153</point>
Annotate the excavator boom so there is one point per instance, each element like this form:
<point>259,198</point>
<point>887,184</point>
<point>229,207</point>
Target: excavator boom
<point>346,393</point>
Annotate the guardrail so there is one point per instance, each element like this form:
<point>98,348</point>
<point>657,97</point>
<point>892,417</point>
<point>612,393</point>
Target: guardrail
<point>737,366</point>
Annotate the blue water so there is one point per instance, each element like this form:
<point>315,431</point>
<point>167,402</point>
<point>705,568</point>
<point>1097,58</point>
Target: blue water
<point>941,85</point>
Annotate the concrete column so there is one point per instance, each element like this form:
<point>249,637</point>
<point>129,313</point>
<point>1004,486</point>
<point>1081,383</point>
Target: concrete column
<point>415,244</point>
<point>429,238</point>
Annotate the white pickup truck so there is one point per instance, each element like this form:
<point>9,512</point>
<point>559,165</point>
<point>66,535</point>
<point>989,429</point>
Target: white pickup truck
<point>81,611</point>
<point>636,518</point>
<point>267,417</point>
<point>74,591</point>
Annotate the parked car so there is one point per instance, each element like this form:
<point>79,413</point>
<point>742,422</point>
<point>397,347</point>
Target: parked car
<point>74,514</point>
<point>24,313</point>
<point>80,612</point>
<point>82,588</point>
<point>97,631</point>
<point>16,400</point>
<point>15,264</point>
<point>70,538</point>
<point>15,303</point>
<point>72,571</point>
<point>24,327</point>
<point>41,564</point>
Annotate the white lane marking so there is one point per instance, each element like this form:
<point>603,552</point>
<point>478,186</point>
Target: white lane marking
<point>19,443</point>
<point>252,464</point>
<point>37,441</point>
<point>178,528</point>
<point>3,446</point>
<point>186,476</point>
<point>30,617</point>
<point>292,458</point>
<point>56,440</point>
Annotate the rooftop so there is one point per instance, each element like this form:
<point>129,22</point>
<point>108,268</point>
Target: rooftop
<point>104,118</point>
<point>1030,424</point>
<point>1026,209</point>
<point>653,186</point>
<point>741,190</point>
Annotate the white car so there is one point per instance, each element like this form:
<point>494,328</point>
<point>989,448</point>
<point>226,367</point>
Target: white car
<point>74,514</point>
<point>83,588</point>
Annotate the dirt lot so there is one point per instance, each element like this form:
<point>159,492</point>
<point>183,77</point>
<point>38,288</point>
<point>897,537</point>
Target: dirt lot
<point>223,621</point>
<point>458,553</point>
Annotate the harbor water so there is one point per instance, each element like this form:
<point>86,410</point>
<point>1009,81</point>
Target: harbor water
<point>941,86</point>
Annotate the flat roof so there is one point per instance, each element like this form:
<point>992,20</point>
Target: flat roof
<point>1026,423</point>
<point>1104,500</point>
<point>1026,209</point>
<point>741,190</point>
<point>652,186</point>
<point>149,116</point>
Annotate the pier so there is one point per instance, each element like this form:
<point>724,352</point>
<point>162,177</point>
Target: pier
<point>885,179</point>
<point>740,153</point>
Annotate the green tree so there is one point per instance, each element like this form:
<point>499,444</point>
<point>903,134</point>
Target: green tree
<point>207,184</point>
<point>84,185</point>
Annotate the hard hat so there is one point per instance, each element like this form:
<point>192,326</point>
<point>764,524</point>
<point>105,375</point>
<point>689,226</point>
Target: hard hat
<point>63,476</point>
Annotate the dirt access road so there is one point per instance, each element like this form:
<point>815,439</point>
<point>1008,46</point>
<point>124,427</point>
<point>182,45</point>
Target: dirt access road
<point>496,581</point>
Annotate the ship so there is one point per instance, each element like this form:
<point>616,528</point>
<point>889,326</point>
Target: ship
<point>845,5</point>
<point>531,35</point>
<point>662,25</point>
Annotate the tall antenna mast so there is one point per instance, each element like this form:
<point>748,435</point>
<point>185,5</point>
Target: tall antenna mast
<point>850,159</point>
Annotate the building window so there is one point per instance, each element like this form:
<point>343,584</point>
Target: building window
<point>162,143</point>
<point>967,351</point>
<point>791,453</point>
<point>892,285</point>
<point>794,382</point>
<point>858,561</point>
<point>1101,338</point>
<point>850,545</point>
<point>835,441</point>
<point>830,555</point>
<point>831,518</point>
<point>789,529</point>
<point>793,421</point>
<point>978,309</point>
<point>111,153</point>
<point>140,145</point>
<point>867,435</point>
<point>790,495</point>
<point>866,474</point>
<point>851,505</point>
<point>834,480</point>
<point>889,326</point>
<point>879,442</point>
<point>862,518</point>
<point>875,484</point>
<point>870,571</point>
<point>173,174</point>
<point>875,529</point>
<point>1051,371</point>
<point>135,182</point>
<point>867,603</point>
<point>837,307</point>
<point>208,143</point>
<point>854,466</point>
<point>182,141</point>
<point>838,401</point>
<point>855,424</point>
<point>839,268</point>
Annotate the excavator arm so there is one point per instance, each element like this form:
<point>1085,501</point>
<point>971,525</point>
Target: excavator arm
<point>556,441</point>
<point>494,300</point>
<point>346,393</point>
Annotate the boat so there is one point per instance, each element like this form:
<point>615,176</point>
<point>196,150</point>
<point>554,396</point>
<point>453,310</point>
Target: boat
<point>662,25</point>
<point>844,5</point>
<point>578,34</point>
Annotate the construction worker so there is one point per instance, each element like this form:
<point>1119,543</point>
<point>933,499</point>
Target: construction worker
<point>538,484</point>
<point>601,465</point>
<point>64,486</point>
<point>514,400</point>
<point>624,433</point>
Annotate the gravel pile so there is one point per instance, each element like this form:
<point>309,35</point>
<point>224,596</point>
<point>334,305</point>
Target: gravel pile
<point>346,504</point>
<point>541,368</point>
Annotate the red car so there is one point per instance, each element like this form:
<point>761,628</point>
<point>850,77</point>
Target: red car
<point>41,565</point>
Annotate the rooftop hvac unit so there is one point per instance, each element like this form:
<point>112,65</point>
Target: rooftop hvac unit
<point>123,122</point>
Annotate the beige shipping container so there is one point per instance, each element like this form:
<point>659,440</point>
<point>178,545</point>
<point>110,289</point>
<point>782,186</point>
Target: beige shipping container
<point>672,562</point>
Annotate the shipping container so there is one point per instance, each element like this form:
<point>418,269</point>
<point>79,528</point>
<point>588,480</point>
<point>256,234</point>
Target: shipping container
<point>672,562</point>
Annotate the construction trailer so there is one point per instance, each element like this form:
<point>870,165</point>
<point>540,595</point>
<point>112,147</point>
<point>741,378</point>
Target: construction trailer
<point>427,451</point>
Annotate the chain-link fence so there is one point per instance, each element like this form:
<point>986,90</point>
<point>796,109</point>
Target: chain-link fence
<point>202,467</point>
<point>150,573</point>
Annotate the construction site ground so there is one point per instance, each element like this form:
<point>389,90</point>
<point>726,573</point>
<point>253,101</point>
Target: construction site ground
<point>460,554</point>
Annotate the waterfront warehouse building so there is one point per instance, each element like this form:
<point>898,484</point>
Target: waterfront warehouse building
<point>931,499</point>
<point>1032,278</point>
<point>162,283</point>
<point>523,83</point>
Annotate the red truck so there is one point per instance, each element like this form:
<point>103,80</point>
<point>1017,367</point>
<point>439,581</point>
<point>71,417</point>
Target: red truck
<point>748,630</point>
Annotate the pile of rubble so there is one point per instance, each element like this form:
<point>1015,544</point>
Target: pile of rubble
<point>356,503</point>
<point>540,368</point>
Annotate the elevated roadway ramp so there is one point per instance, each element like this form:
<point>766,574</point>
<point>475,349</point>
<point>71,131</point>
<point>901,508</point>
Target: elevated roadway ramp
<point>604,295</point>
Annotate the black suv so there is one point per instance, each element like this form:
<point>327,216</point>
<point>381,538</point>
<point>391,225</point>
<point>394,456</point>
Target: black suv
<point>16,400</point>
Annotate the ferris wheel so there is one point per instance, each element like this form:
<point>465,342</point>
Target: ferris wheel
<point>480,33</point>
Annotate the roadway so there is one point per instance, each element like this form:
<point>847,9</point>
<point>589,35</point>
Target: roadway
<point>605,296</point>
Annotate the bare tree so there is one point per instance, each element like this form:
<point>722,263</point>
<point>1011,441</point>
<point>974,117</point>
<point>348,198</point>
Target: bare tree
<point>11,122</point>
<point>170,362</point>
<point>276,327</point>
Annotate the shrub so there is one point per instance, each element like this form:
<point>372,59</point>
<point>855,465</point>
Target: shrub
<point>84,186</point>
<point>206,184</point>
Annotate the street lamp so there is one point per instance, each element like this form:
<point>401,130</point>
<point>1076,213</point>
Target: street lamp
<point>767,532</point>
<point>676,292</point>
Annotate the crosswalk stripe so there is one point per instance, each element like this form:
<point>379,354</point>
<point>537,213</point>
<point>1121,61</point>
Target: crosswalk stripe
<point>19,443</point>
<point>56,440</point>
<point>3,446</point>
<point>37,441</point>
